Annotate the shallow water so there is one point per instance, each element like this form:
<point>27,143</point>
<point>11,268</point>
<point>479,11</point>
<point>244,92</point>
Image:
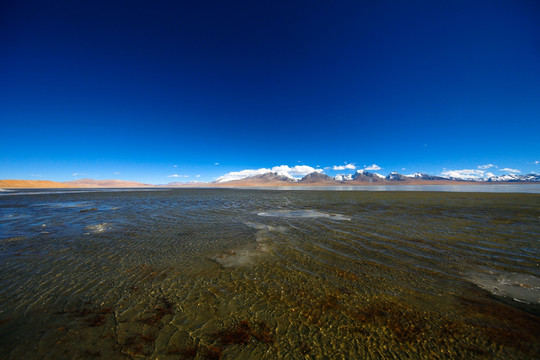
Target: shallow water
<point>249,274</point>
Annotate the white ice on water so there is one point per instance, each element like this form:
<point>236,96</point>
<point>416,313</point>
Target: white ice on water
<point>302,214</point>
<point>519,287</point>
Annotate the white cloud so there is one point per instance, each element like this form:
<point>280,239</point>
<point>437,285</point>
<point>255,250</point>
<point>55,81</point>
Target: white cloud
<point>465,174</point>
<point>515,171</point>
<point>175,165</point>
<point>237,175</point>
<point>79,174</point>
<point>372,167</point>
<point>489,174</point>
<point>216,164</point>
<point>298,170</point>
<point>197,175</point>
<point>487,166</point>
<point>116,173</point>
<point>177,175</point>
<point>537,162</point>
<point>37,175</point>
<point>344,167</point>
<point>283,170</point>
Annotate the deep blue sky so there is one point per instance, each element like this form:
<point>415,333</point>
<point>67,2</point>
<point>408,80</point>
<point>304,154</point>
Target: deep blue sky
<point>128,89</point>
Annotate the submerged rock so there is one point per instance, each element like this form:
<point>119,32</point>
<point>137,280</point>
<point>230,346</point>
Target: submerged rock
<point>98,228</point>
<point>264,227</point>
<point>242,257</point>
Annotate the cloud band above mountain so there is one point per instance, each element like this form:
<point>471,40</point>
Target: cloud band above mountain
<point>466,174</point>
<point>372,167</point>
<point>344,167</point>
<point>283,170</point>
<point>514,171</point>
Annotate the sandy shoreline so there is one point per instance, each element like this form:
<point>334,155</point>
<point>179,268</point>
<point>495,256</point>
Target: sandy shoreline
<point>33,184</point>
<point>46,184</point>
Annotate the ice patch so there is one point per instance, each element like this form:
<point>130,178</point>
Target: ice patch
<point>303,214</point>
<point>98,228</point>
<point>519,287</point>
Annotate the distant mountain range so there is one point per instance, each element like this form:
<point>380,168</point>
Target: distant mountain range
<point>363,177</point>
<point>91,183</point>
<point>360,177</point>
<point>515,178</point>
<point>82,183</point>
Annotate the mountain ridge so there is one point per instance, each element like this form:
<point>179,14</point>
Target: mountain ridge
<point>316,178</point>
<point>363,177</point>
<point>107,183</point>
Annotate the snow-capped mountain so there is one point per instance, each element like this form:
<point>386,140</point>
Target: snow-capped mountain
<point>500,178</point>
<point>514,178</point>
<point>262,176</point>
<point>366,176</point>
<point>275,176</point>
<point>424,176</point>
<point>395,176</point>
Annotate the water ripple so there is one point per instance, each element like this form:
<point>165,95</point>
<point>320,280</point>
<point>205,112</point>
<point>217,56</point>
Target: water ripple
<point>252,274</point>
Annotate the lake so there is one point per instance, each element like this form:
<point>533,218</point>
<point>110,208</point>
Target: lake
<point>258,274</point>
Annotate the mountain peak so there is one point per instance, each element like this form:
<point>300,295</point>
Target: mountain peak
<point>273,176</point>
<point>395,176</point>
<point>423,176</point>
<point>366,176</point>
<point>514,178</point>
<point>316,177</point>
